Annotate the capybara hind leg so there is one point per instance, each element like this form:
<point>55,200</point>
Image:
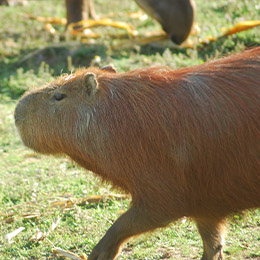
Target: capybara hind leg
<point>212,233</point>
<point>135,221</point>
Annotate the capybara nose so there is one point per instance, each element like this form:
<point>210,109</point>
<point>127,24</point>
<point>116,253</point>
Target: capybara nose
<point>22,108</point>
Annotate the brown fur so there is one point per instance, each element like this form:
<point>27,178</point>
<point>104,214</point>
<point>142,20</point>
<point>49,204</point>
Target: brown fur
<point>182,142</point>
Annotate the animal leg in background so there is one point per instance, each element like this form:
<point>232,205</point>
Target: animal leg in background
<point>78,10</point>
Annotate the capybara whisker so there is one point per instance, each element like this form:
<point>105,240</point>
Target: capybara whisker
<point>182,142</point>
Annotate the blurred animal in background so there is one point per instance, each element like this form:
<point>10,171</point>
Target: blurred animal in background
<point>175,16</point>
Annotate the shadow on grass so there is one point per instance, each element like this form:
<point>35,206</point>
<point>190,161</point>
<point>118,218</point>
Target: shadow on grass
<point>63,57</point>
<point>50,61</point>
<point>57,55</point>
<point>226,45</point>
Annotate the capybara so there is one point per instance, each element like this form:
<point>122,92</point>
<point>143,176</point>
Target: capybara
<point>175,16</point>
<point>182,142</point>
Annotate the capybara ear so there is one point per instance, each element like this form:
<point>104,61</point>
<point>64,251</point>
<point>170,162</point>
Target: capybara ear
<point>109,68</point>
<point>90,82</point>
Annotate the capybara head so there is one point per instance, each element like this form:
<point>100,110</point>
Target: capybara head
<point>53,118</point>
<point>182,142</point>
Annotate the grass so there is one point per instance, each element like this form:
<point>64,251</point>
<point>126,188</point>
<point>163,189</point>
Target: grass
<point>30,183</point>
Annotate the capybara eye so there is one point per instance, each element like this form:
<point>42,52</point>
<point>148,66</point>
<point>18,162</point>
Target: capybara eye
<point>59,96</point>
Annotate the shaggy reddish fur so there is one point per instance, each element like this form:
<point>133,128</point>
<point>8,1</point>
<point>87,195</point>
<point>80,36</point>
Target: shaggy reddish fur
<point>182,142</point>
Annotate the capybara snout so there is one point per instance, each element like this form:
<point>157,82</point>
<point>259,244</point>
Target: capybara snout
<point>182,142</point>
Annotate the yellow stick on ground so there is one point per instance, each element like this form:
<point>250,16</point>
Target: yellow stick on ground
<point>68,254</point>
<point>241,26</point>
<point>85,24</point>
<point>52,20</point>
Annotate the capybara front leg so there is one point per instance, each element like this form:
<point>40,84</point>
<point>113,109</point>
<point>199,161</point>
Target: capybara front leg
<point>212,233</point>
<point>135,221</point>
